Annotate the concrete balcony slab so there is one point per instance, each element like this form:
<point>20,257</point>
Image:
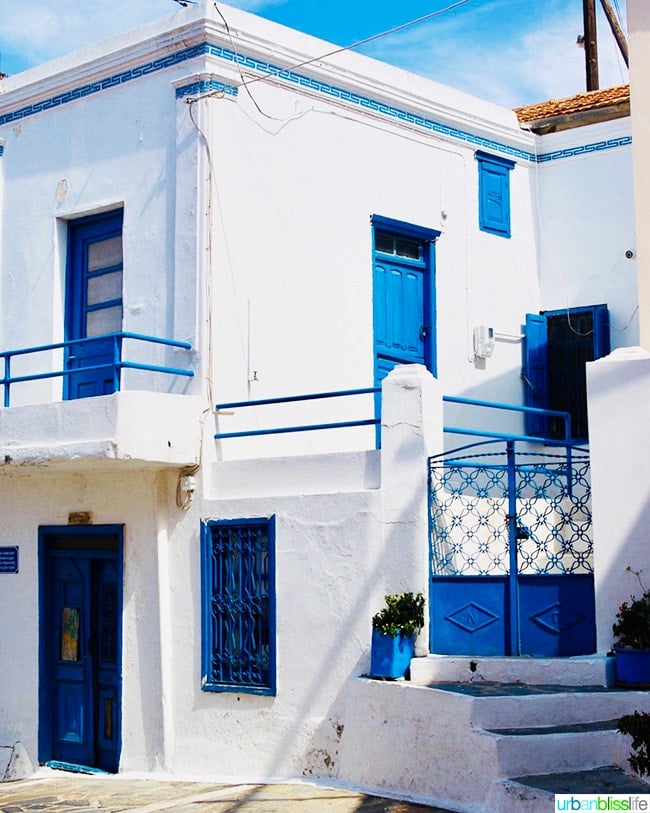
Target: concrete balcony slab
<point>130,428</point>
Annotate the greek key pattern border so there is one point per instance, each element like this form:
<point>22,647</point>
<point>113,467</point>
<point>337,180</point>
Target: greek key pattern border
<point>300,80</point>
<point>206,86</point>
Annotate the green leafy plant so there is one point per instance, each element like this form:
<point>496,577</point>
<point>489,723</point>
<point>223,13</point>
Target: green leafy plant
<point>632,625</point>
<point>403,614</point>
<point>637,725</point>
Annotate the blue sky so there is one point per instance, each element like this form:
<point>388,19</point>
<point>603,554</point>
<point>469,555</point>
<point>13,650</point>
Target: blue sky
<point>511,52</point>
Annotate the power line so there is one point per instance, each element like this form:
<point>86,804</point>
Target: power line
<point>359,43</point>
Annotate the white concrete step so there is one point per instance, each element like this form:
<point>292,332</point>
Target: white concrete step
<point>459,746</point>
<point>557,749</point>
<point>535,794</point>
<point>583,670</point>
<point>574,705</point>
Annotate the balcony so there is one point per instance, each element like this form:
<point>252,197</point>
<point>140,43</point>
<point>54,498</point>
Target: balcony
<point>138,416</point>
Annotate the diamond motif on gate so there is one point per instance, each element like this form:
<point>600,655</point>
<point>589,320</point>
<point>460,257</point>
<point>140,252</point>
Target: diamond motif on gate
<point>472,618</point>
<point>556,618</point>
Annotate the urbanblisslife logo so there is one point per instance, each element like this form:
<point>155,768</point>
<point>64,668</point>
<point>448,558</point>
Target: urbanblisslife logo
<point>602,802</point>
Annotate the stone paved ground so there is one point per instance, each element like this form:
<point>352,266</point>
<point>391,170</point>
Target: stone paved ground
<point>76,793</point>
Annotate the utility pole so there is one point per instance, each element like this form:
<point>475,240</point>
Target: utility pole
<point>591,47</point>
<point>617,31</point>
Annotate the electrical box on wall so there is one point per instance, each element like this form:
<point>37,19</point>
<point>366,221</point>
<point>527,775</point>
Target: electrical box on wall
<point>483,341</point>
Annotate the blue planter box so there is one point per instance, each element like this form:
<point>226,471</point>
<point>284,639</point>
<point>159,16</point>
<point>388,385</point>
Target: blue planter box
<point>390,656</point>
<point>632,667</point>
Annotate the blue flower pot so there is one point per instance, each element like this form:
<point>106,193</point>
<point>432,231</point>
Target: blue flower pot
<point>632,668</point>
<point>390,656</point>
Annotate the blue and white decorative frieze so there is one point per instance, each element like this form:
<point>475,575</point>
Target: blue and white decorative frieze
<point>300,80</point>
<point>110,81</point>
<point>203,86</point>
<point>598,146</point>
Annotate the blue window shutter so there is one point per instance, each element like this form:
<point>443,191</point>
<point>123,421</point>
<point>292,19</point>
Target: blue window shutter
<point>494,193</point>
<point>535,372</point>
<point>557,344</point>
<point>602,346</point>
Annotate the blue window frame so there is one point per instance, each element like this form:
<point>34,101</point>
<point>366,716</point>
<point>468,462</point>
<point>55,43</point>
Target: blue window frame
<point>238,606</point>
<point>494,193</point>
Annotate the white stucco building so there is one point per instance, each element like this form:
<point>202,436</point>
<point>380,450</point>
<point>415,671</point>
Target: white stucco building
<point>240,219</point>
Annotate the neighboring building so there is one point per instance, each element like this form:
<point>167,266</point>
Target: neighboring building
<point>239,219</point>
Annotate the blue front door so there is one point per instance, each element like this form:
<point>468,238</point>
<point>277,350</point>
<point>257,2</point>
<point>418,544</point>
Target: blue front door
<point>403,297</point>
<point>94,304</point>
<point>80,671</point>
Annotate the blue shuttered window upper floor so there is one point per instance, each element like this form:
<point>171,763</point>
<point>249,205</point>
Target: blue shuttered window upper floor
<point>494,193</point>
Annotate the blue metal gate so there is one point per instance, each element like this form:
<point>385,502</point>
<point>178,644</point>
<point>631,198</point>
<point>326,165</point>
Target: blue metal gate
<point>511,552</point>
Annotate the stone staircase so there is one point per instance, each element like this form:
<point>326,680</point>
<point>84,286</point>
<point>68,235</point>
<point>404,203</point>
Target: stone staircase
<point>493,734</point>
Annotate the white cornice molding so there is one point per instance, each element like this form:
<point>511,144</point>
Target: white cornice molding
<point>263,41</point>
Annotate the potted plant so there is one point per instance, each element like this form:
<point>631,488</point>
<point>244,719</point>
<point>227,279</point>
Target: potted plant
<point>632,642</point>
<point>394,629</point>
<point>637,725</point>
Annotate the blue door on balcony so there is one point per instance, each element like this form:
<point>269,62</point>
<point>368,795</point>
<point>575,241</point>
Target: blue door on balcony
<point>93,304</point>
<point>403,296</point>
<point>80,651</point>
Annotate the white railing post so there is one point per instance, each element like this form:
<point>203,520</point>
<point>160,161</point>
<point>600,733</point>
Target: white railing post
<point>411,431</point>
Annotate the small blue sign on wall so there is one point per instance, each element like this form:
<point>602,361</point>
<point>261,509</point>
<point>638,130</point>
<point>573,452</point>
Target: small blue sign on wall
<point>9,559</point>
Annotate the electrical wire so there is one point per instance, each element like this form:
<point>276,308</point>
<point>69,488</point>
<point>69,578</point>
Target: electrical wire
<point>243,82</point>
<point>424,18</point>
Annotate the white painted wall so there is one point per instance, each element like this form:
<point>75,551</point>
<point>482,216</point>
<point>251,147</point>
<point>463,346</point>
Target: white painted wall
<point>618,390</point>
<point>585,226</point>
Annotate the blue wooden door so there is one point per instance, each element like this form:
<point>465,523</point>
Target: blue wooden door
<point>403,296</point>
<point>94,304</point>
<point>80,651</point>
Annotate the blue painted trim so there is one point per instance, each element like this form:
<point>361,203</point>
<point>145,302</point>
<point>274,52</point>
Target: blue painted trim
<point>495,159</point>
<point>404,229</point>
<point>57,765</point>
<point>363,102</point>
<point>108,82</point>
<point>2,149</point>
<point>597,146</point>
<point>205,86</point>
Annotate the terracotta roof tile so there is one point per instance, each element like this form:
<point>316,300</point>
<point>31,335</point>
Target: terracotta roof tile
<point>580,103</point>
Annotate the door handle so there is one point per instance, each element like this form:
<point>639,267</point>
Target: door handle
<point>424,332</point>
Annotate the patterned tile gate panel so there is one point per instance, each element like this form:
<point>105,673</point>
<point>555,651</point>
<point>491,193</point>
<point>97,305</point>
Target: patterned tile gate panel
<point>511,552</point>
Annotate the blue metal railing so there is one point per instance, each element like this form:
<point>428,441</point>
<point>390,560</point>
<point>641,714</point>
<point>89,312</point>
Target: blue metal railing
<point>292,399</point>
<point>550,413</point>
<point>565,416</point>
<point>117,364</point>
